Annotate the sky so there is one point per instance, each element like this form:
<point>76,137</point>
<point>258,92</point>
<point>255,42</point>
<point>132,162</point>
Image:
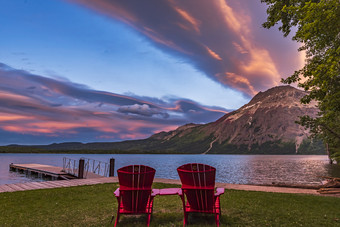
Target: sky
<point>113,70</point>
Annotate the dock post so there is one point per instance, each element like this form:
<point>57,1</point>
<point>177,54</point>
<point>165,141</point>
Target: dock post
<point>11,167</point>
<point>81,168</point>
<point>112,167</point>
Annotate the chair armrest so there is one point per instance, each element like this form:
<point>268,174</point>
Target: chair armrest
<point>117,192</point>
<point>169,191</point>
<point>180,192</point>
<point>154,192</point>
<point>219,191</point>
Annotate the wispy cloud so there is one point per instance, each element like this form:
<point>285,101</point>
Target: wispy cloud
<point>56,110</point>
<point>143,110</point>
<point>219,37</point>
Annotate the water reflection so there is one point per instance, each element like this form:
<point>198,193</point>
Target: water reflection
<point>237,169</point>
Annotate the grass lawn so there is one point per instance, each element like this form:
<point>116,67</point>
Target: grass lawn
<point>95,205</point>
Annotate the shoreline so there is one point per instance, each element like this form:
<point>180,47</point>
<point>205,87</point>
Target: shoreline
<point>82,182</point>
<point>70,152</point>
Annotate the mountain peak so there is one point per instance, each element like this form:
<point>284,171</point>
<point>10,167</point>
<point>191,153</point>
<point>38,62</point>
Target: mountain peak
<point>279,93</point>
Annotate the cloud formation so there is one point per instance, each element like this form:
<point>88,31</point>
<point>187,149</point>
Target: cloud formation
<point>220,38</point>
<point>49,110</point>
<point>143,110</point>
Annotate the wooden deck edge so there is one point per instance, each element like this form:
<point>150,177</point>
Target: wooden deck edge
<point>55,184</point>
<point>103,180</point>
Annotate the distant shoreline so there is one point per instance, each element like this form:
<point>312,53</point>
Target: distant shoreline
<point>20,151</point>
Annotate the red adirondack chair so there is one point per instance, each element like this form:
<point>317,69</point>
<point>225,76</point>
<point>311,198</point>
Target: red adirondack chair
<point>198,190</point>
<point>134,194</point>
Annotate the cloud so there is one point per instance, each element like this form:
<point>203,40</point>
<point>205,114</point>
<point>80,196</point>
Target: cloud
<point>57,110</point>
<point>223,39</point>
<point>143,110</point>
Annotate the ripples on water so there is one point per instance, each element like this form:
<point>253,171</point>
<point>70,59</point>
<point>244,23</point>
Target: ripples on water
<point>237,169</point>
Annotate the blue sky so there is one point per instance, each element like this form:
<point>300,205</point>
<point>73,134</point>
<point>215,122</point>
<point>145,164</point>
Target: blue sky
<point>128,69</point>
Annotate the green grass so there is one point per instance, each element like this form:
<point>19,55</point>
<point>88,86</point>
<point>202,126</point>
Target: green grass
<point>95,205</point>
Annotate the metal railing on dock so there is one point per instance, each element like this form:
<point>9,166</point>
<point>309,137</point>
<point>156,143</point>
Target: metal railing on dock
<point>85,166</point>
<point>70,166</point>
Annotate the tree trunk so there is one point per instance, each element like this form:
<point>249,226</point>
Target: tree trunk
<point>329,155</point>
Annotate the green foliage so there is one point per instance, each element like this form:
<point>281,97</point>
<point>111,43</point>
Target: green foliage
<point>274,147</point>
<point>94,206</point>
<point>309,146</point>
<point>20,149</point>
<point>193,143</point>
<point>317,26</point>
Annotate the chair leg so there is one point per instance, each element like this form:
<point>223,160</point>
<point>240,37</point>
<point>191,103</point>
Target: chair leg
<point>217,214</point>
<point>149,210</point>
<point>217,219</point>
<point>185,220</point>
<point>149,220</point>
<point>117,219</point>
<point>118,209</point>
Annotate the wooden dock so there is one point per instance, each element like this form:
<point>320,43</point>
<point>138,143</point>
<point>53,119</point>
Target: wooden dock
<point>54,172</point>
<point>59,178</point>
<point>55,184</point>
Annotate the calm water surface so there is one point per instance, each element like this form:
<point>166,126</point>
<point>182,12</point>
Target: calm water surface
<point>237,169</point>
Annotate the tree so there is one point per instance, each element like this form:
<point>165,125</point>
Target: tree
<point>317,27</point>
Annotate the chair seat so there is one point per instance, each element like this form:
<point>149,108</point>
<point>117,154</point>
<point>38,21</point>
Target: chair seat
<point>147,210</point>
<point>215,209</point>
<point>191,210</point>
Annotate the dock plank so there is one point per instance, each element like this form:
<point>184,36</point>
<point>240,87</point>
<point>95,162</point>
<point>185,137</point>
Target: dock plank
<point>55,184</point>
<point>52,184</point>
<point>5,188</point>
<point>25,186</point>
<point>40,185</point>
<point>15,187</point>
<point>39,167</point>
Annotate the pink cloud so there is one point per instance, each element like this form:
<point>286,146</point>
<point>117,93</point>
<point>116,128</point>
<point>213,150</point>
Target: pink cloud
<point>218,37</point>
<point>40,107</point>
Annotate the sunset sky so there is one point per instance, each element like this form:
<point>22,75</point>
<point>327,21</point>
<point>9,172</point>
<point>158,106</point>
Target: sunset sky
<point>112,70</point>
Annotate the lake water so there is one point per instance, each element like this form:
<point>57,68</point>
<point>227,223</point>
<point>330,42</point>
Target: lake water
<point>237,169</point>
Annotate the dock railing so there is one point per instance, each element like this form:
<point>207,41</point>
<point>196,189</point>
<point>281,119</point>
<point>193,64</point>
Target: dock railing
<point>81,168</point>
<point>97,167</point>
<point>70,166</point>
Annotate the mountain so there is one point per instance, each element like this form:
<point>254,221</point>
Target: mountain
<point>266,125</point>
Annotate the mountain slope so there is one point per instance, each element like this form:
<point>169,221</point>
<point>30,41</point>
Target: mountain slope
<point>268,118</point>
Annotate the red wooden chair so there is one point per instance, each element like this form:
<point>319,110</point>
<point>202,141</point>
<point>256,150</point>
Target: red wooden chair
<point>134,194</point>
<point>198,190</point>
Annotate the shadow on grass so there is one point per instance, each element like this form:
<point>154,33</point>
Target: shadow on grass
<point>158,219</point>
<point>171,220</point>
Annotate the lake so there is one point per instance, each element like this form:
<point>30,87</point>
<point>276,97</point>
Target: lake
<point>237,169</point>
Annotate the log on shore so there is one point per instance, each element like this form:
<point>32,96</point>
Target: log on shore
<point>281,184</point>
<point>329,191</point>
<point>332,182</point>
